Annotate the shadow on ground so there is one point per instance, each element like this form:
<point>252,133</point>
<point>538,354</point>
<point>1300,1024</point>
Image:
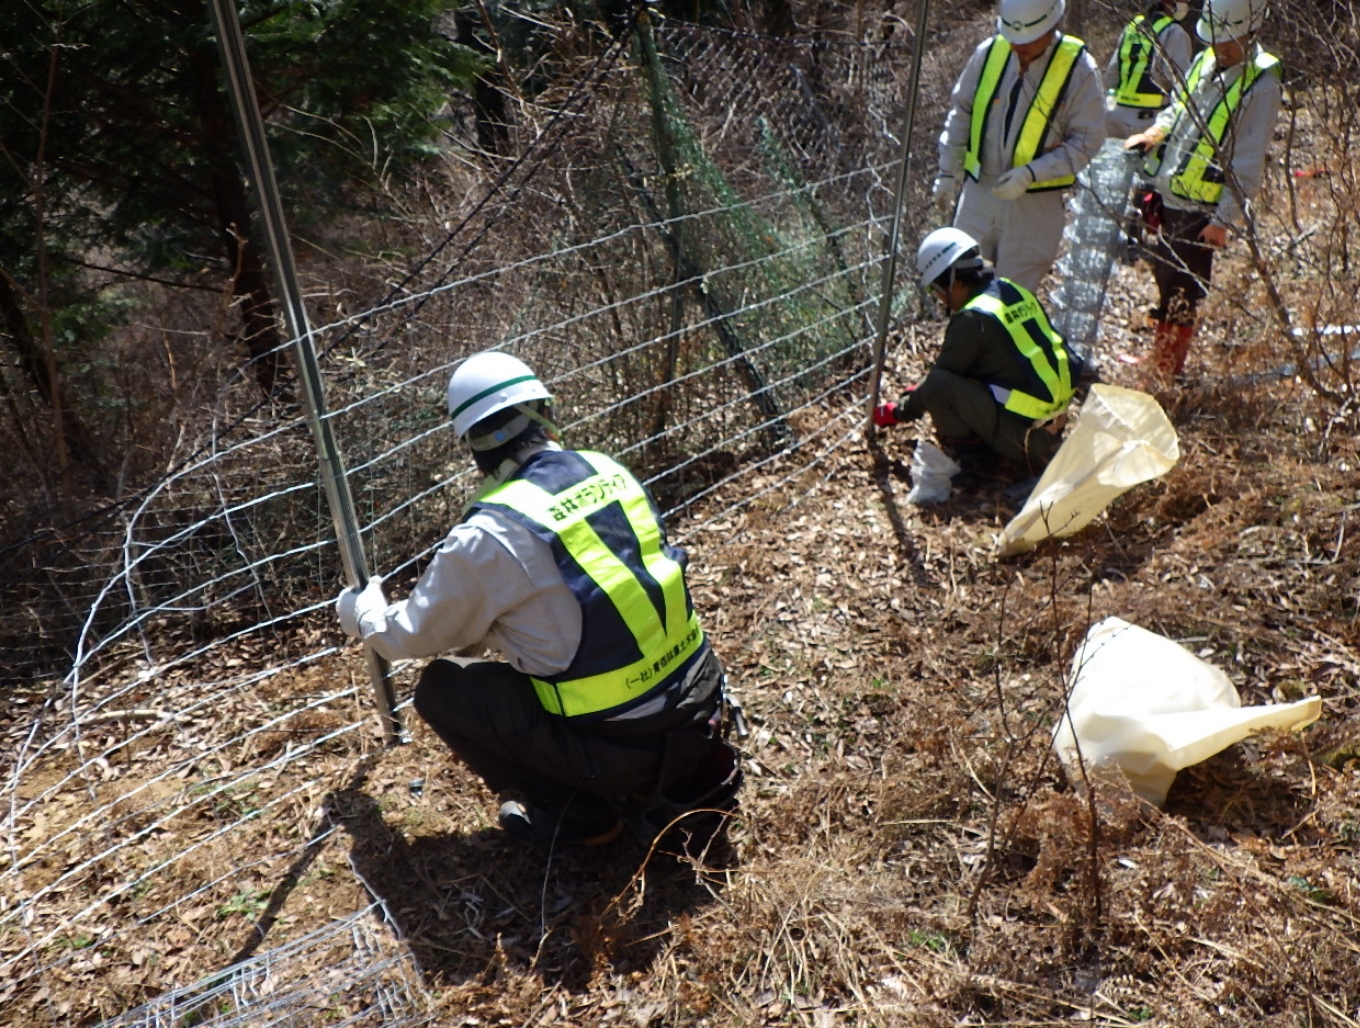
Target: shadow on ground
<point>467,904</point>
<point>1226,795</point>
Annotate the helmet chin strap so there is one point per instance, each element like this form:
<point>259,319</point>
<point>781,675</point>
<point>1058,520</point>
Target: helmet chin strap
<point>534,415</point>
<point>512,428</point>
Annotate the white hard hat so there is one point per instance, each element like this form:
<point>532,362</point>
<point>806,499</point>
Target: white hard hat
<point>489,382</point>
<point>1226,20</point>
<point>943,249</point>
<point>1024,21</point>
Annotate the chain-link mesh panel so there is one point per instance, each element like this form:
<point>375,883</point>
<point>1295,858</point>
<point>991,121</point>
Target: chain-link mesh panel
<point>350,973</point>
<point>688,254</point>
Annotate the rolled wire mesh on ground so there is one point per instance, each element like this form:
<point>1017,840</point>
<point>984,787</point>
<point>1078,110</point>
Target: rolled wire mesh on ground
<point>692,271</point>
<point>351,972</point>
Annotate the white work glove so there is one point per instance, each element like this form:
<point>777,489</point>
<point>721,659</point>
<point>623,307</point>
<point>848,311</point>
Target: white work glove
<point>352,604</point>
<point>942,195</point>
<point>1012,185</point>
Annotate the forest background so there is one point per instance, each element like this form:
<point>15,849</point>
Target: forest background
<point>680,220</point>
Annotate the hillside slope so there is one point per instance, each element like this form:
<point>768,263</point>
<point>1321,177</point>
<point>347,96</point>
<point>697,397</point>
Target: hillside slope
<point>205,805</point>
<point>907,851</point>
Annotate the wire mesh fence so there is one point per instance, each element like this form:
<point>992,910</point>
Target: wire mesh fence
<point>687,248</point>
<point>1094,231</point>
<point>687,254</point>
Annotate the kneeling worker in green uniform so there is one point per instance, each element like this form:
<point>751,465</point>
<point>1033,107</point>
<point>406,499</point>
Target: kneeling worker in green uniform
<point>1002,382</point>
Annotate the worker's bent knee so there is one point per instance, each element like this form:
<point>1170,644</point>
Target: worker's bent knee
<point>957,405</point>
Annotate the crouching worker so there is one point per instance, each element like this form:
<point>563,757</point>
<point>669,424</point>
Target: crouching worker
<point>611,698</point>
<point>1000,387</point>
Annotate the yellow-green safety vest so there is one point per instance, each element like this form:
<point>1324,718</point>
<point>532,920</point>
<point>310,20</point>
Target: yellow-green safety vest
<point>1035,126</point>
<point>1035,339</point>
<point>1136,48</point>
<point>1200,176</point>
<point>638,622</point>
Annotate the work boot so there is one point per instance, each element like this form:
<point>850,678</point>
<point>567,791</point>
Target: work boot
<point>1161,365</point>
<point>973,456</point>
<point>1180,347</point>
<point>1018,494</point>
<point>580,823</point>
<point>980,467</point>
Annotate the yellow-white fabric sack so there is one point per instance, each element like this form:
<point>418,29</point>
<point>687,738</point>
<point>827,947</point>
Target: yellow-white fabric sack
<point>1144,706</point>
<point>1121,438</point>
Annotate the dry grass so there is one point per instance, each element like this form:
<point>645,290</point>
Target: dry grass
<point>907,851</point>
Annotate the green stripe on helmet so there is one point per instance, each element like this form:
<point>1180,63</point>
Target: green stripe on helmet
<point>487,392</point>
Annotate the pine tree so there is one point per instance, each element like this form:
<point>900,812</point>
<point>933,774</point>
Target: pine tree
<point>117,145</point>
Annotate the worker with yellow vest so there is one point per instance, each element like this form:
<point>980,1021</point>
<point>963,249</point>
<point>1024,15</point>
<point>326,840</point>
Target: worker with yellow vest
<point>1153,55</point>
<point>1026,115</point>
<point>1206,162</point>
<point>609,689</point>
<point>1003,379</point>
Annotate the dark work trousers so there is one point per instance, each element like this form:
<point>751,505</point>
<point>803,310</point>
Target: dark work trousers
<point>1181,266</point>
<point>962,407</point>
<point>490,716</point>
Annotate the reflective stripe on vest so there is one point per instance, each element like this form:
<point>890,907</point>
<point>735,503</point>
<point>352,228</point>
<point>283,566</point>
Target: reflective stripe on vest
<point>1035,340</point>
<point>1034,128</point>
<point>1136,48</point>
<point>638,625</point>
<point>1200,175</point>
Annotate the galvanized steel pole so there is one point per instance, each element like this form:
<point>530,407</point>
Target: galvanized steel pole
<point>890,261</point>
<point>332,467</point>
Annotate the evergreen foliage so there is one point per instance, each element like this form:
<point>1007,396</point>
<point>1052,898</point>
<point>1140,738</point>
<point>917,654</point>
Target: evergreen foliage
<point>119,142</point>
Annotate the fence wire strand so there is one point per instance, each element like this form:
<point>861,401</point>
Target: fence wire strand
<point>683,322</point>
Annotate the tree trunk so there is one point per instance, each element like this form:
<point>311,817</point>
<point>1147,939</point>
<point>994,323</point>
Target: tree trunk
<point>488,99</point>
<point>34,363</point>
<point>249,282</point>
<point>777,18</point>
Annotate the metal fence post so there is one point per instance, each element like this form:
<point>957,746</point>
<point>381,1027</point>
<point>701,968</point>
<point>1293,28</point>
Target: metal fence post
<point>332,468</point>
<point>890,261</point>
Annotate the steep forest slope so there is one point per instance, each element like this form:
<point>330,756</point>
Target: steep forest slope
<point>906,851</point>
<point>219,837</point>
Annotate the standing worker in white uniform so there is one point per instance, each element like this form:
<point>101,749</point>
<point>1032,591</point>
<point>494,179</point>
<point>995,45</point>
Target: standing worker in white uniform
<point>1149,65</point>
<point>1206,162</point>
<point>609,690</point>
<point>1026,115</point>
